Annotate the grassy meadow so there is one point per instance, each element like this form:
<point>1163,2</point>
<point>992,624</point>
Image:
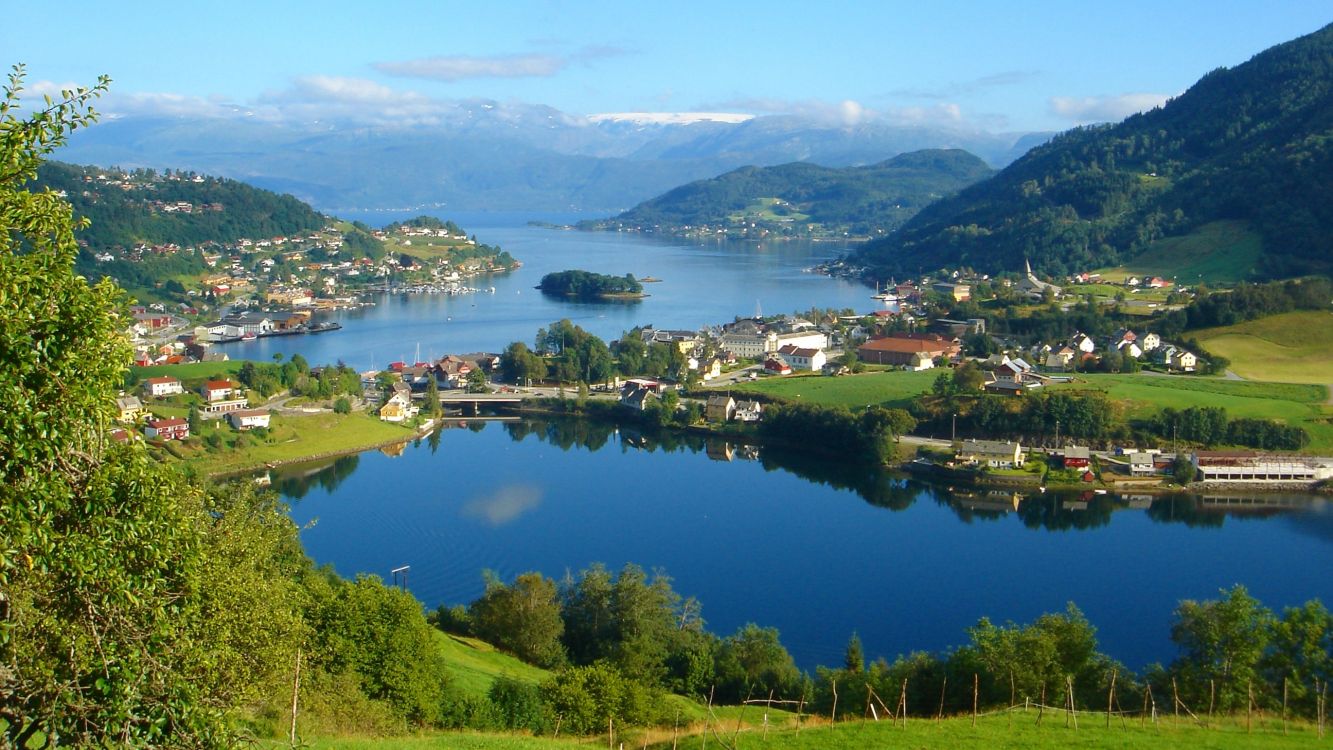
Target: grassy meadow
<point>887,388</point>
<point>1013,729</point>
<point>1217,252</point>
<point>290,438</point>
<point>1294,347</point>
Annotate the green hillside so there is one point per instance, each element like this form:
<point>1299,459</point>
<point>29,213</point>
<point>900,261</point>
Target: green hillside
<point>806,199</point>
<point>1250,144</point>
<point>1294,347</point>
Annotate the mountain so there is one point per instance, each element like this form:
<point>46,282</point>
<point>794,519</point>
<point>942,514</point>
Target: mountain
<point>1251,145</point>
<point>490,156</point>
<point>803,199</point>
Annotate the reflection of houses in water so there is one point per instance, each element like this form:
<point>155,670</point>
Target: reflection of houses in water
<point>723,450</point>
<point>997,501</point>
<point>1256,503</point>
<point>719,450</point>
<point>395,450</point>
<point>1137,502</point>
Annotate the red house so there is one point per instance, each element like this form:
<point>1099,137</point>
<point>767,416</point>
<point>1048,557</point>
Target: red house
<point>173,428</point>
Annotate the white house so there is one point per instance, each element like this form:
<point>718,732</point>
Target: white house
<point>1150,341</point>
<point>163,386</point>
<point>1182,360</point>
<point>999,455</point>
<point>803,359</point>
<point>246,419</point>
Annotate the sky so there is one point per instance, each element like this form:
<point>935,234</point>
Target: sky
<point>997,66</point>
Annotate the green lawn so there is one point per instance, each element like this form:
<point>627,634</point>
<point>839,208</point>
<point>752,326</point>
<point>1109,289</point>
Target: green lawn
<point>191,371</point>
<point>1016,729</point>
<point>1217,252</point>
<point>1295,347</point>
<point>1142,395</point>
<point>293,437</point>
<point>475,664</point>
<point>892,388</point>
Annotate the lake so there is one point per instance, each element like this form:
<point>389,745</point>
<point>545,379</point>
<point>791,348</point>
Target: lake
<point>702,284</point>
<point>816,549</point>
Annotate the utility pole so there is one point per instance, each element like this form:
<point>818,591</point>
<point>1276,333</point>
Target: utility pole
<point>953,430</point>
<point>1057,433</point>
<point>400,571</point>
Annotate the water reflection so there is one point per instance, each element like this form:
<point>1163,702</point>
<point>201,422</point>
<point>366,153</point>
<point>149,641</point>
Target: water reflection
<point>295,481</point>
<point>504,505</point>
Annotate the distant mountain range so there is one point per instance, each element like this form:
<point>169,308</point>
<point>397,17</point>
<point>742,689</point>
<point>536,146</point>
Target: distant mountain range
<point>487,156</point>
<point>805,200</point>
<point>1251,145</point>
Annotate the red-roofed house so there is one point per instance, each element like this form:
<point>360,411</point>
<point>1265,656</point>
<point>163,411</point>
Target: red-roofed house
<point>173,428</point>
<point>215,390</point>
<point>801,358</point>
<point>900,351</point>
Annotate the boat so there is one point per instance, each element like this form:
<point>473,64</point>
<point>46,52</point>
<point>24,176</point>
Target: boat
<point>248,336</point>
<point>884,296</point>
<point>325,326</point>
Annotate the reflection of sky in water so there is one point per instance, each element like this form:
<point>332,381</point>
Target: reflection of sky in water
<point>755,541</point>
<point>503,505</point>
<point>1316,522</point>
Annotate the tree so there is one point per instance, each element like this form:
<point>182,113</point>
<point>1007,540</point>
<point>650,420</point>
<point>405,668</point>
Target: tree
<point>431,398</point>
<point>1221,641</point>
<point>854,660</point>
<point>476,381</point>
<point>518,364</point>
<point>100,544</point>
<point>342,406</point>
<point>523,619</point>
<point>196,424</point>
<point>754,662</point>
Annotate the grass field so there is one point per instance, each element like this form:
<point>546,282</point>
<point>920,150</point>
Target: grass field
<point>1220,251</point>
<point>306,436</point>
<point>475,664</point>
<point>893,389</point>
<point>192,371</point>
<point>1295,347</point>
<point>1016,729</point>
<point>1141,395</point>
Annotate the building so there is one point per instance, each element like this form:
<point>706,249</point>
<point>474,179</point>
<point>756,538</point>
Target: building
<point>1255,467</point>
<point>992,453</point>
<point>129,408</point>
<point>246,419</point>
<point>1032,287</point>
<point>749,411</point>
<point>1075,457</point>
<point>777,366</point>
<point>215,390</point>
<point>892,350</point>
<point>958,292</point>
<point>1141,465</point>
<point>802,359</point>
<point>173,428</point>
<point>1182,360</point>
<point>720,408</point>
<point>636,397</point>
<point>399,407</point>
<point>163,386</point>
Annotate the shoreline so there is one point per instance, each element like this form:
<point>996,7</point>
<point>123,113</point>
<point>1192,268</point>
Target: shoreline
<point>425,430</point>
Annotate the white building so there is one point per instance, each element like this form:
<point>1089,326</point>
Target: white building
<point>803,359</point>
<point>1253,467</point>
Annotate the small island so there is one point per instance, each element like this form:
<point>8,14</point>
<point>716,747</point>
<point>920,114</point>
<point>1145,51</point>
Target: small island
<point>586,285</point>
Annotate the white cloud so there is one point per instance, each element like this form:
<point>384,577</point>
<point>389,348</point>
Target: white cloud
<point>955,89</point>
<point>1104,108</point>
<point>847,112</point>
<point>452,68</point>
<point>504,505</point>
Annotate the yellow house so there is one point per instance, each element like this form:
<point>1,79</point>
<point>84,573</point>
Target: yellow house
<point>130,407</point>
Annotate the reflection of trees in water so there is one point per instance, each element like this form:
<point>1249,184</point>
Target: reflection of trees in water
<point>296,481</point>
<point>1184,509</point>
<point>870,482</point>
<point>1057,513</point>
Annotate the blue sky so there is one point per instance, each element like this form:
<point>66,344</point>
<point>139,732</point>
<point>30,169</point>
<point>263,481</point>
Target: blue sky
<point>988,65</point>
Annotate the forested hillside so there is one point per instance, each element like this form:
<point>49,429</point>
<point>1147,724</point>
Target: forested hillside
<point>1252,143</point>
<point>790,198</point>
<point>151,208</point>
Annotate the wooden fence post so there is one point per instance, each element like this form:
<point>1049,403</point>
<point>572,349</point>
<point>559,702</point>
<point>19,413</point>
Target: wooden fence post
<point>1249,703</point>
<point>939,716</point>
<point>1284,705</point>
<point>976,685</point>
<point>833,720</point>
<point>1073,709</point>
<point>1110,699</point>
<point>296,692</point>
<point>1212,695</point>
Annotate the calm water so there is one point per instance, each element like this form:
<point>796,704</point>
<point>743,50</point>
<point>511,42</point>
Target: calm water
<point>788,541</point>
<point>701,285</point>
